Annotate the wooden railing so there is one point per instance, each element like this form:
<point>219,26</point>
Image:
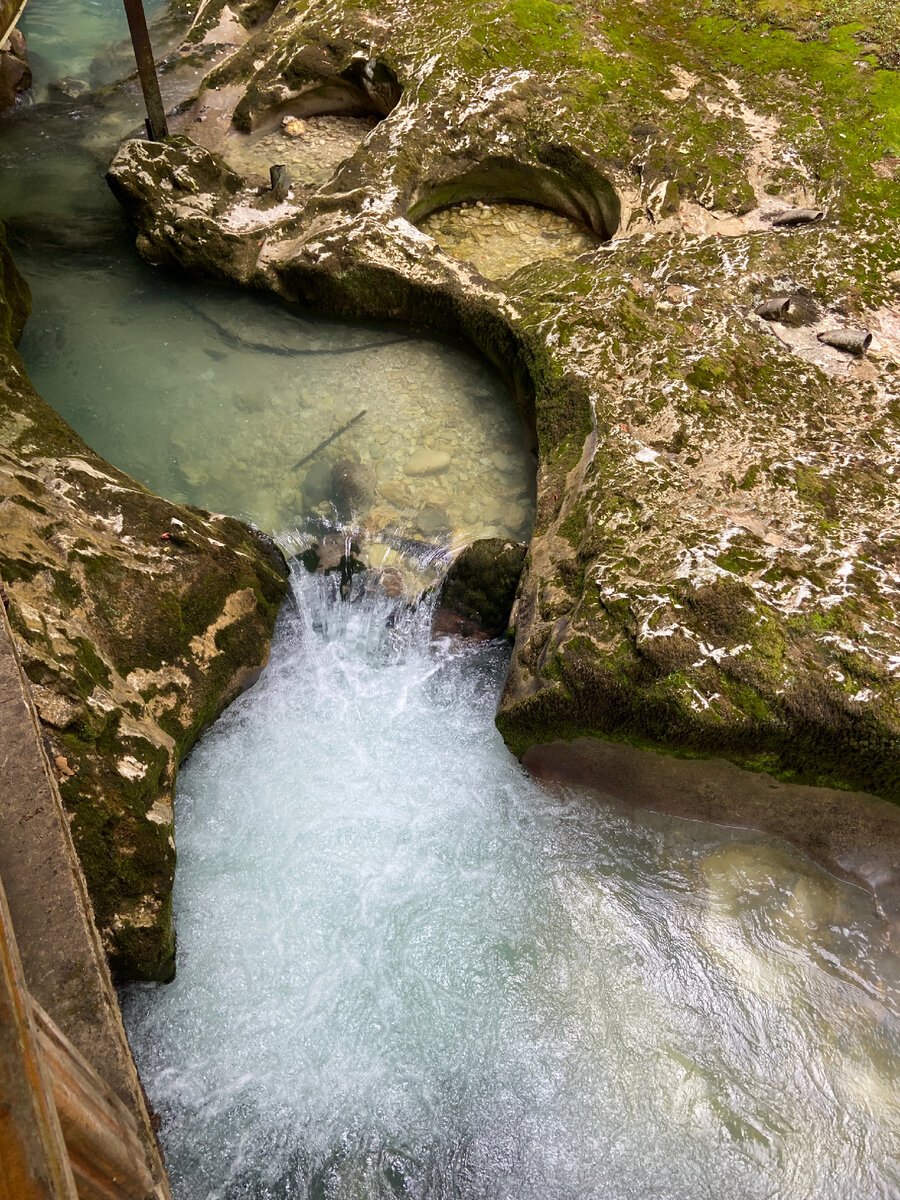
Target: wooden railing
<point>64,1134</point>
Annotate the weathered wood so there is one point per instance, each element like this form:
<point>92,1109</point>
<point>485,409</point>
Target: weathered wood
<point>101,1136</point>
<point>280,181</point>
<point>327,441</point>
<point>157,128</point>
<point>34,1163</point>
<point>10,11</point>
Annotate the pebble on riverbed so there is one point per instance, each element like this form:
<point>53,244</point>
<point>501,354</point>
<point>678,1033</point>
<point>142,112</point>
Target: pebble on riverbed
<point>500,238</point>
<point>312,148</point>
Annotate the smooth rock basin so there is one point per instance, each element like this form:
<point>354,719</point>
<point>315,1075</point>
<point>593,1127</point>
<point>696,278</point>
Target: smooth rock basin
<point>500,238</point>
<point>311,148</point>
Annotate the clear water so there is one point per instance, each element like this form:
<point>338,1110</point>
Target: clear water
<point>167,380</point>
<point>79,39</point>
<point>498,239</point>
<point>404,970</point>
<point>212,397</point>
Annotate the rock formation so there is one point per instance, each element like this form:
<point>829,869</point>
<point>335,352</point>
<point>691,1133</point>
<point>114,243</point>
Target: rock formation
<point>714,567</point>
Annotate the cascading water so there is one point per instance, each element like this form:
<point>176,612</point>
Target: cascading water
<point>406,970</point>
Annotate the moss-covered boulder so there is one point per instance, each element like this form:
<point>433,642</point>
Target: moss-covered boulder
<point>714,569</point>
<point>136,621</point>
<point>480,586</point>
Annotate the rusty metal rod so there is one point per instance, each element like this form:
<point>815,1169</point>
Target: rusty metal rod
<point>143,54</point>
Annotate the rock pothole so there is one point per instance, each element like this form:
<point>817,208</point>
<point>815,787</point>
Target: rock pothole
<point>500,238</point>
<point>312,148</point>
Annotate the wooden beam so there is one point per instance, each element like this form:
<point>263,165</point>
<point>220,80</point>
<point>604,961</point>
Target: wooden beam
<point>34,1163</point>
<point>157,128</point>
<point>107,1156</point>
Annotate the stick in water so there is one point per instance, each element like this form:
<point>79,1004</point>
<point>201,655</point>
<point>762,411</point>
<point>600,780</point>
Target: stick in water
<point>327,442</point>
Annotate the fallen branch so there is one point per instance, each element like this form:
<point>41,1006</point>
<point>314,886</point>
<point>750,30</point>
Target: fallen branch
<point>242,343</point>
<point>327,442</point>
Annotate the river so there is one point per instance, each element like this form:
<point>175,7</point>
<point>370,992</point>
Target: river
<point>404,968</point>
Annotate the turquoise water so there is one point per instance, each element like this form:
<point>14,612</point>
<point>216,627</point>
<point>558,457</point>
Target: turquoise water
<point>79,39</point>
<point>213,397</point>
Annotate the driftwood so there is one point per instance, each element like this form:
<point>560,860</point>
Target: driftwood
<point>280,181</point>
<point>327,441</point>
<point>798,216</point>
<point>774,309</point>
<point>853,341</point>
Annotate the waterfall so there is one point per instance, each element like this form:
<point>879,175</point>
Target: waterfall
<point>405,970</point>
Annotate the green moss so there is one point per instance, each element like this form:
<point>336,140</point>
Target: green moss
<point>575,525</point>
<point>707,374</point>
<point>750,476</point>
<point>481,584</point>
<point>15,296</point>
<point>740,560</point>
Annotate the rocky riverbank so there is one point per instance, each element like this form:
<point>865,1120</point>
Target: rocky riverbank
<point>714,569</point>
<point>136,622</point>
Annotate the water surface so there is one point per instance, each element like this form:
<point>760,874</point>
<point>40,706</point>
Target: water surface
<point>224,399</point>
<point>405,970</point>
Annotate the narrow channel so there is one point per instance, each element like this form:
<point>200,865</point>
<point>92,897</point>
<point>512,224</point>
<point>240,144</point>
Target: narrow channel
<point>404,968</point>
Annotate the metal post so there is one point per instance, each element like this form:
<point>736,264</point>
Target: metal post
<point>143,53</point>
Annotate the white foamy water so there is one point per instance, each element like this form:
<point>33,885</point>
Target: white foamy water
<point>405,970</point>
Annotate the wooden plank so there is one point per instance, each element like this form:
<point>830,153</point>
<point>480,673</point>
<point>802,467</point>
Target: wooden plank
<point>34,1163</point>
<point>108,1159</point>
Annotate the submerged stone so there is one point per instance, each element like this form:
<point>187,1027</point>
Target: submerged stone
<point>427,462</point>
<point>353,486</point>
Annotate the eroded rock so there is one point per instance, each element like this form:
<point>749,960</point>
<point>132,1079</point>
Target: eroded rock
<point>714,568</point>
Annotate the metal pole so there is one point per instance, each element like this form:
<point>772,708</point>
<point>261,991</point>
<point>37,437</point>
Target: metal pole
<point>143,53</point>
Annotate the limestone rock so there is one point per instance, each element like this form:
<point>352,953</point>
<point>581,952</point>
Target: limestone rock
<point>481,584</point>
<point>713,571</point>
<point>293,127</point>
<point>427,462</point>
<point>69,87</point>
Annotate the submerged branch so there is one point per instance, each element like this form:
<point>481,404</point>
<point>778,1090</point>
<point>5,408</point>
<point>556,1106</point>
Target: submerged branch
<point>327,441</point>
<point>242,343</point>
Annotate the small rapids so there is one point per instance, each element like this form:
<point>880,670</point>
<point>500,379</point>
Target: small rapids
<point>405,970</point>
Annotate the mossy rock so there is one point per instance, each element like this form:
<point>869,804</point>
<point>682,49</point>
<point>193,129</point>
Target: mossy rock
<point>714,565</point>
<point>481,584</point>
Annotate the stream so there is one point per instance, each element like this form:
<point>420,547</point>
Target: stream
<point>406,970</point>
